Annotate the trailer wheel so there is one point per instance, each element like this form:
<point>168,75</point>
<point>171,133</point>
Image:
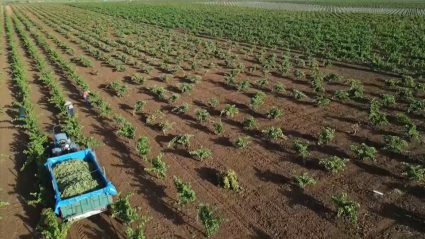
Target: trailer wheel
<point>108,211</point>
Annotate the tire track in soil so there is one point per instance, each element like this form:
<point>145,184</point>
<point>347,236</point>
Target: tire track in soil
<point>77,232</point>
<point>272,203</point>
<point>113,180</point>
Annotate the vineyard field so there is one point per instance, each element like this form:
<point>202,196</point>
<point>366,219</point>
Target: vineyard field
<point>218,121</point>
<point>320,8</point>
<point>346,37</point>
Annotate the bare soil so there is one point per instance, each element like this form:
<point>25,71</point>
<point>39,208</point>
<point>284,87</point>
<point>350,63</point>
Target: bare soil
<point>270,205</point>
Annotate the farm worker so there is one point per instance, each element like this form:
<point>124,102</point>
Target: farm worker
<point>70,108</point>
<point>22,115</point>
<point>86,96</point>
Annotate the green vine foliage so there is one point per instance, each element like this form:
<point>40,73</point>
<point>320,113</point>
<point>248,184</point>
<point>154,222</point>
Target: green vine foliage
<point>139,233</point>
<point>123,211</point>
<point>346,207</point>
<point>274,133</point>
<point>183,140</point>
<point>334,164</point>
<point>202,153</point>
<point>209,219</point>
<point>363,151</point>
<point>158,166</point>
<point>2,204</point>
<point>143,147</point>
<point>326,135</point>
<point>242,142</point>
<point>50,227</point>
<point>184,191</point>
<point>229,180</point>
<point>303,180</point>
<point>301,148</point>
<point>394,143</point>
<point>414,172</point>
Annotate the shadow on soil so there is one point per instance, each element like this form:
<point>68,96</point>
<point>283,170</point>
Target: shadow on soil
<point>373,169</point>
<point>329,150</point>
<point>208,174</point>
<point>403,216</point>
<point>272,145</point>
<point>298,196</point>
<point>200,127</point>
<point>223,141</point>
<point>308,163</point>
<point>416,190</point>
<point>211,111</point>
<point>269,176</point>
<point>178,151</point>
<point>222,85</point>
<point>293,133</point>
<point>260,234</point>
<point>126,107</point>
<point>107,229</point>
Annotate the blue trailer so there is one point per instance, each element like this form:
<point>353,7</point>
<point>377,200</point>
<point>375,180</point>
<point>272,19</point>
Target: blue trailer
<point>87,204</point>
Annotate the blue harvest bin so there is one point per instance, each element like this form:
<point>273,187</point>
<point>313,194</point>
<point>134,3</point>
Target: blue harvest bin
<point>107,188</point>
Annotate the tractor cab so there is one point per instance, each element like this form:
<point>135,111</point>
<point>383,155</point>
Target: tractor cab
<point>62,143</point>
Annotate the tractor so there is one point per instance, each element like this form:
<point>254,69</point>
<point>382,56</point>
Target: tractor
<point>62,143</point>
